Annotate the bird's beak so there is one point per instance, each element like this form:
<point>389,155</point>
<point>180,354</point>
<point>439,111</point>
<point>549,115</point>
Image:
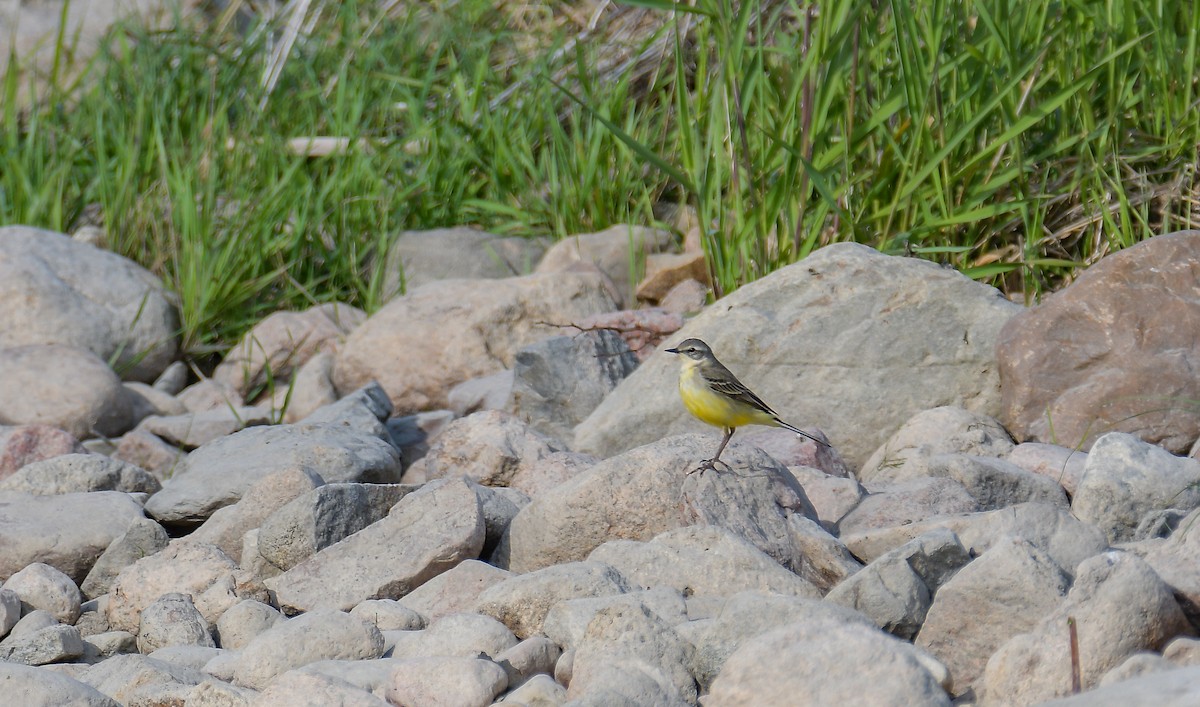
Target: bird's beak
<point>674,351</point>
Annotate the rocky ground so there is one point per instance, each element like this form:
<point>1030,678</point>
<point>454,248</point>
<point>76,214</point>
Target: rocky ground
<point>481,493</point>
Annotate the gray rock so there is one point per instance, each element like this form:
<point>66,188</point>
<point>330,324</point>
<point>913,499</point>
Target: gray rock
<point>522,602</point>
<point>172,620</point>
<point>1136,665</point>
<point>189,430</point>
<point>1177,561</point>
<point>39,687</point>
<point>10,610</point>
<point>941,430</point>
<point>1125,478</point>
<point>143,538</point>
<point>551,470</point>
<point>746,615</point>
<point>1174,688</point>
<point>296,687</point>
<point>94,618</point>
<point>240,623</point>
<point>85,297</point>
<point>825,662</point>
<point>1125,608</point>
<point>999,595</point>
<point>219,473</point>
<point>413,434</point>
<point>996,483</point>
<point>632,639</point>
<point>567,621</point>
<point>537,691</point>
<point>443,525</point>
<point>148,452</point>
<point>310,389</point>
<point>499,506</point>
<point>528,659</point>
<point>896,589</point>
<point>490,392</point>
<point>147,400</point>
<point>227,526</point>
<point>1048,527</point>
<point>701,561</point>
<point>138,679</point>
<point>106,644</point>
<point>208,394</point>
<point>324,516</point>
<point>215,693</point>
<point>831,496</point>
<point>40,586</point>
<point>79,473</point>
<point>418,346</point>
<point>934,316</point>
<point>454,591</point>
<point>370,675</point>
<point>419,257</point>
<point>466,635</point>
<point>1063,465</point>
<point>32,622</point>
<point>647,491</point>
<point>366,410</point>
<point>617,251</point>
<point>558,382</point>
<point>173,379</point>
<point>388,615</point>
<point>905,502</point>
<point>1070,375</point>
<point>49,384</point>
<point>187,656</point>
<point>447,682</point>
<point>52,644</point>
<point>318,635</point>
<point>31,529</point>
<point>489,447</point>
<point>200,570</point>
<point>275,347</point>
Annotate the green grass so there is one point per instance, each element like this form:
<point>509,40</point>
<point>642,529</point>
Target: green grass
<point>1017,141</point>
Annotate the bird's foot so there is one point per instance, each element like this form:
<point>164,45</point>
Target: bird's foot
<point>709,464</point>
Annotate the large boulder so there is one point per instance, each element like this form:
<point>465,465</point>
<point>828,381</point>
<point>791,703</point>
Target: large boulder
<point>1124,479</point>
<point>78,295</point>
<point>916,335</point>
<point>66,531</point>
<point>50,384</point>
<point>220,472</point>
<point>425,534</point>
<point>420,345</point>
<point>826,662</point>
<point>416,258</point>
<point>1114,351</point>
<point>283,342</point>
<point>648,491</point>
<point>617,251</point>
<point>1120,606</point>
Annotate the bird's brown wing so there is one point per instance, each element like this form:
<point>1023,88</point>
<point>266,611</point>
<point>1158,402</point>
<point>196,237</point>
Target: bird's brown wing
<point>731,386</point>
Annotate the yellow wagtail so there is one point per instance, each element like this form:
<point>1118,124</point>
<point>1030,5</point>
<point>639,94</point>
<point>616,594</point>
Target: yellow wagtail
<point>715,396</point>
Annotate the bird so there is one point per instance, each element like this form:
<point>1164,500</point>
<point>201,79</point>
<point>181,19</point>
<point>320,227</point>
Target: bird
<point>715,396</point>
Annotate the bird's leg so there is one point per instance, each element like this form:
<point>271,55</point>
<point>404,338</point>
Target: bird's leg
<point>712,463</point>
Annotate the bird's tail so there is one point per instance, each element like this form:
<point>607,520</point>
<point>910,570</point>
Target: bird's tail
<point>801,432</point>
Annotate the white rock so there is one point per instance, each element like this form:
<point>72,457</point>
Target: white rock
<point>825,663</point>
<point>454,591</point>
<point>447,682</point>
<point>39,686</point>
<point>443,526</point>
<point>172,620</point>
<point>522,602</point>
<point>41,586</point>
<point>318,635</point>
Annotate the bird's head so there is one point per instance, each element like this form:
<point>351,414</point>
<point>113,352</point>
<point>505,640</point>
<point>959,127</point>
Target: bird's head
<point>694,349</point>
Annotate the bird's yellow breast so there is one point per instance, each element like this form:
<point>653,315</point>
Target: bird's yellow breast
<point>715,408</point>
